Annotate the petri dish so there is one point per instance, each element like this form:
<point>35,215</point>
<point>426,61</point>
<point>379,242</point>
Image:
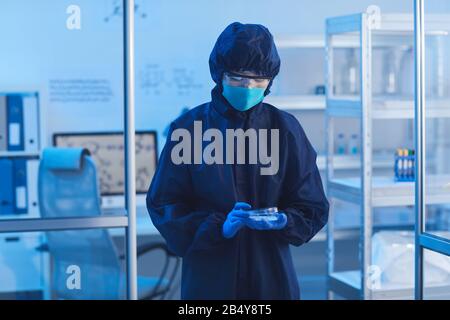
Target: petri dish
<point>268,214</point>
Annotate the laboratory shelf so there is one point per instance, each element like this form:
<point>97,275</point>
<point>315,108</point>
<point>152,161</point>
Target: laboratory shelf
<point>380,38</point>
<point>369,190</point>
<point>348,284</point>
<point>386,192</point>
<point>312,42</point>
<point>386,108</point>
<point>297,102</point>
<point>16,154</point>
<point>348,162</point>
<point>294,41</point>
<point>389,27</point>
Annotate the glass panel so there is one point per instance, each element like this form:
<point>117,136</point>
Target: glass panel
<point>174,76</point>
<point>436,271</point>
<point>75,264</point>
<point>437,192</point>
<point>62,84</point>
<point>347,66</point>
<point>35,266</point>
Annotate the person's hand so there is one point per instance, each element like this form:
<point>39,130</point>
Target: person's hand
<point>235,219</point>
<point>264,224</point>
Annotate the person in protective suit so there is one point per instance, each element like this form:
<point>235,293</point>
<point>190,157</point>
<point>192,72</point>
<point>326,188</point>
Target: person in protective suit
<point>201,209</point>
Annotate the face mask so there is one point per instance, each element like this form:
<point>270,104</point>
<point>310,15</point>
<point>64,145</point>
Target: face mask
<point>242,98</point>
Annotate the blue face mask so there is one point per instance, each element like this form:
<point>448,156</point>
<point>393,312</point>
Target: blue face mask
<point>242,98</point>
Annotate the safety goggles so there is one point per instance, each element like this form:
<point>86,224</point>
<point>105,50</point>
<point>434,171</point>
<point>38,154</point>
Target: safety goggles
<point>235,78</point>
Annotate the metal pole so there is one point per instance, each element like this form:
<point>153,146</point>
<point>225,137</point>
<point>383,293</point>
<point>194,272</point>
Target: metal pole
<point>419,60</point>
<point>129,133</point>
<point>366,154</point>
<point>329,125</point>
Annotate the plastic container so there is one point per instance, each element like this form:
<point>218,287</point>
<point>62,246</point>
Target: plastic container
<point>353,145</point>
<point>404,165</point>
<point>341,145</point>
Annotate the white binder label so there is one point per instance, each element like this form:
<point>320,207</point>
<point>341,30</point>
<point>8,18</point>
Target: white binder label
<point>14,134</point>
<point>21,197</point>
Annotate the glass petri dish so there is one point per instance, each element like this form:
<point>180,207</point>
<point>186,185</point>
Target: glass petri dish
<point>268,214</point>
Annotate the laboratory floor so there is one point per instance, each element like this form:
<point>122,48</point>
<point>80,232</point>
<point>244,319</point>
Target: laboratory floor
<point>309,261</point>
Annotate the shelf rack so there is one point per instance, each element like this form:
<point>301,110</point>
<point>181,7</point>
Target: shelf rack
<point>366,31</point>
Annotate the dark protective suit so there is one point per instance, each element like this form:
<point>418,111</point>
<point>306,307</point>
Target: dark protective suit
<point>188,203</point>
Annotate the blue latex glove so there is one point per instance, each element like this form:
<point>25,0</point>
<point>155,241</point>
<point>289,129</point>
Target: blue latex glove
<point>278,224</point>
<point>236,219</point>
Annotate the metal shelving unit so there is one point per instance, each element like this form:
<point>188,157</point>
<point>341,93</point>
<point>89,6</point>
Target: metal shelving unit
<point>369,30</point>
<point>297,102</point>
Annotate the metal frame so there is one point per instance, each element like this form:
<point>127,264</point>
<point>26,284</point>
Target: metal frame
<point>419,61</point>
<point>435,243</point>
<point>361,108</point>
<point>366,110</point>
<point>59,224</point>
<point>130,163</point>
<point>422,239</point>
<point>129,221</point>
<point>366,154</point>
